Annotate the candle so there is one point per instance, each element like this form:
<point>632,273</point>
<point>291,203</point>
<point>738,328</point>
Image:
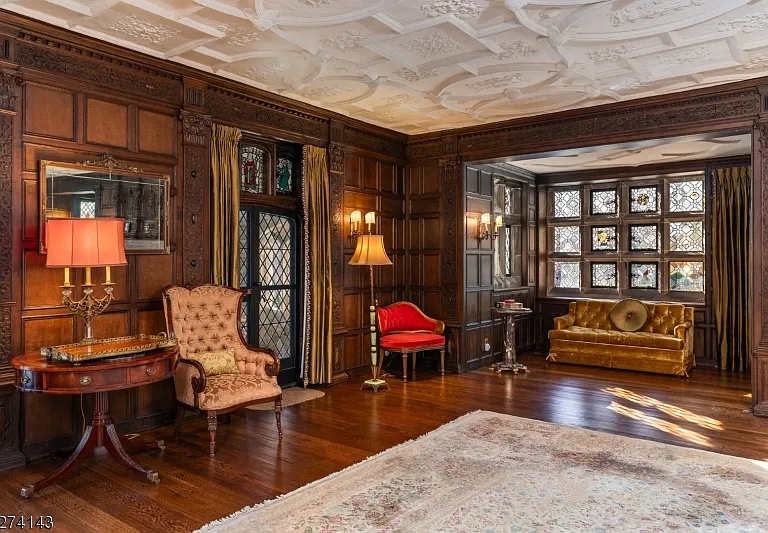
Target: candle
<point>88,277</point>
<point>109,279</point>
<point>66,277</point>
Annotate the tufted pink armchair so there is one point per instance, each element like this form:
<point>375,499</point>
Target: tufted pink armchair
<point>204,319</point>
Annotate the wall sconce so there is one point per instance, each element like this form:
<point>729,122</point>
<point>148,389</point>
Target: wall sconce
<point>483,230</point>
<point>370,220</point>
<point>499,224</point>
<point>354,225</point>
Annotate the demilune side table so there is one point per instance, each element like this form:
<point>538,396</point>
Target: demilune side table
<point>510,353</point>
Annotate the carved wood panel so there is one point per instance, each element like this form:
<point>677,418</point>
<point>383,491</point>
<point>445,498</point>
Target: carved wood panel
<point>760,268</point>
<point>196,192</point>
<point>450,210</point>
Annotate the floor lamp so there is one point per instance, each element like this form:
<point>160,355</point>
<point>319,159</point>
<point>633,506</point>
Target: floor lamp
<point>370,252</point>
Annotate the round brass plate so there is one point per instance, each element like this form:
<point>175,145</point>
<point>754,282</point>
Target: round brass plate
<point>629,315</point>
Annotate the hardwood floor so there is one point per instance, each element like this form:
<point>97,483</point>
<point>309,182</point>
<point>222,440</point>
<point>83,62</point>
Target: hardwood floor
<point>707,411</point>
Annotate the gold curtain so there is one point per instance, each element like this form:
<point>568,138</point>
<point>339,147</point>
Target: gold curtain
<point>225,173</point>
<point>318,366</point>
<point>731,267</point>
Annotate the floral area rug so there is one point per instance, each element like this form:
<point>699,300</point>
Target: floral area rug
<point>488,472</point>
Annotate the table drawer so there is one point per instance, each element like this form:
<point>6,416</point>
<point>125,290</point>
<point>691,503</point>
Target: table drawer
<point>150,372</point>
<point>80,381</point>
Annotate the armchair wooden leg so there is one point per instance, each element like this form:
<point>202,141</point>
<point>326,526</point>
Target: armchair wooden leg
<point>442,362</point>
<point>212,434</point>
<point>179,420</point>
<point>278,412</point>
<point>405,367</point>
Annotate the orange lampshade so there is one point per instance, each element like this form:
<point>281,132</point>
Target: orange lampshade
<point>85,242</point>
<point>370,251</point>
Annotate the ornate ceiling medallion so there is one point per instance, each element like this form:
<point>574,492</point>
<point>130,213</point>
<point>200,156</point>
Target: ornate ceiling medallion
<point>685,55</point>
<point>239,36</point>
<point>747,23</point>
<point>145,30</point>
<point>265,70</point>
<point>414,75</point>
<point>326,91</point>
<point>514,49</point>
<point>650,10</point>
<point>609,54</point>
<point>458,8</point>
<point>344,40</point>
<point>432,44</point>
<point>497,82</point>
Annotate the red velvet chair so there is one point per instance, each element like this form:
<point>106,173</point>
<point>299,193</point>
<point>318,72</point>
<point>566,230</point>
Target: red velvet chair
<point>404,329</point>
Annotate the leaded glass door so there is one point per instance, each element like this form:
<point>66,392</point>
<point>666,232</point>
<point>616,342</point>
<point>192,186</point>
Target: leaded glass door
<point>269,266</point>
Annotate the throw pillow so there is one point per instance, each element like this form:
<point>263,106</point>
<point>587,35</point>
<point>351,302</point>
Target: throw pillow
<point>216,362</point>
<point>629,315</point>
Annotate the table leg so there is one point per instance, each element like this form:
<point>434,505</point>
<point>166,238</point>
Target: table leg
<point>510,352</point>
<point>101,432</point>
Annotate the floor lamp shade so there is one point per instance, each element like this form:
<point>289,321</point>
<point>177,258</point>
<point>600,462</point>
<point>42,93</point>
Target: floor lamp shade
<point>370,251</point>
<point>85,242</point>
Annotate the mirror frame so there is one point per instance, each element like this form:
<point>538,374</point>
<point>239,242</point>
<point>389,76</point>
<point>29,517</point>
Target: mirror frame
<point>106,164</point>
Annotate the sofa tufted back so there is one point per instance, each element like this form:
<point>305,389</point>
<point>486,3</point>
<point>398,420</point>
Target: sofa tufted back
<point>662,318</point>
<point>205,319</point>
<point>404,317</point>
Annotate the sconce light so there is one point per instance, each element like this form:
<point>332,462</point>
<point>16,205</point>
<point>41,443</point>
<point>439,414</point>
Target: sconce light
<point>483,230</point>
<point>370,220</point>
<point>354,225</point>
<point>499,223</point>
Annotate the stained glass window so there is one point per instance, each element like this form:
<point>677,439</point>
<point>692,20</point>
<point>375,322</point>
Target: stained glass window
<point>284,175</point>
<point>567,275</point>
<point>507,251</point>
<point>686,276</point>
<point>644,237</point>
<point>686,236</point>
<point>686,196</point>
<point>604,202</point>
<point>567,239</point>
<point>567,204</point>
<point>87,209</point>
<point>604,275</point>
<point>604,238</point>
<point>253,168</point>
<point>644,199</point>
<point>643,275</point>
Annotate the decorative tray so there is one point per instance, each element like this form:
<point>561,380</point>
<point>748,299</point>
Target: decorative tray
<point>103,348</point>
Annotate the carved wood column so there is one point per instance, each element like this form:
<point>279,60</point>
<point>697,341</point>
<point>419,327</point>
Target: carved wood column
<point>196,193</point>
<point>336,156</point>
<point>760,262</point>
<point>10,262</point>
<point>451,262</point>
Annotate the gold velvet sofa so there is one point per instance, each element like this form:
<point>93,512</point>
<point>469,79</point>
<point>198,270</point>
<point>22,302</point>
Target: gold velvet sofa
<point>586,336</point>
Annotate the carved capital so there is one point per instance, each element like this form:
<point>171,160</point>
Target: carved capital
<point>336,155</point>
<point>8,84</point>
<point>195,128</point>
<point>761,126</point>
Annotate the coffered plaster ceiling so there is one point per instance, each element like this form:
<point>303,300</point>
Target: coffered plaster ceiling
<point>637,154</point>
<point>424,65</point>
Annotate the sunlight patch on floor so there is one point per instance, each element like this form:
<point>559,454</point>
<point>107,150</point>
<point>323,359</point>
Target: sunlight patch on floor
<point>662,425</point>
<point>669,409</point>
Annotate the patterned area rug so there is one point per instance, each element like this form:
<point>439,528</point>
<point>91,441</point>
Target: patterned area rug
<point>291,396</point>
<point>488,472</point>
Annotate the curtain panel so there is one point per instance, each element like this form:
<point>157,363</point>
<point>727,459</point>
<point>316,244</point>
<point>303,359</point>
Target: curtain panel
<point>318,358</point>
<point>731,262</point>
<point>225,173</point>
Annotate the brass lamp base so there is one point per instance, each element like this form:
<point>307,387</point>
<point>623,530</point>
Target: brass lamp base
<point>375,384</point>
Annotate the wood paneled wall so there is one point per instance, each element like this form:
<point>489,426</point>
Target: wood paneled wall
<point>370,184</point>
<point>480,325</point>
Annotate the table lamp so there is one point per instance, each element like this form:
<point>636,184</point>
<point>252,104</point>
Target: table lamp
<point>85,243</point>
<point>370,252</point>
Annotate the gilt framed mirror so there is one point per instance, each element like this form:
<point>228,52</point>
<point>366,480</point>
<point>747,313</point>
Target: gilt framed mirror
<point>107,188</point>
